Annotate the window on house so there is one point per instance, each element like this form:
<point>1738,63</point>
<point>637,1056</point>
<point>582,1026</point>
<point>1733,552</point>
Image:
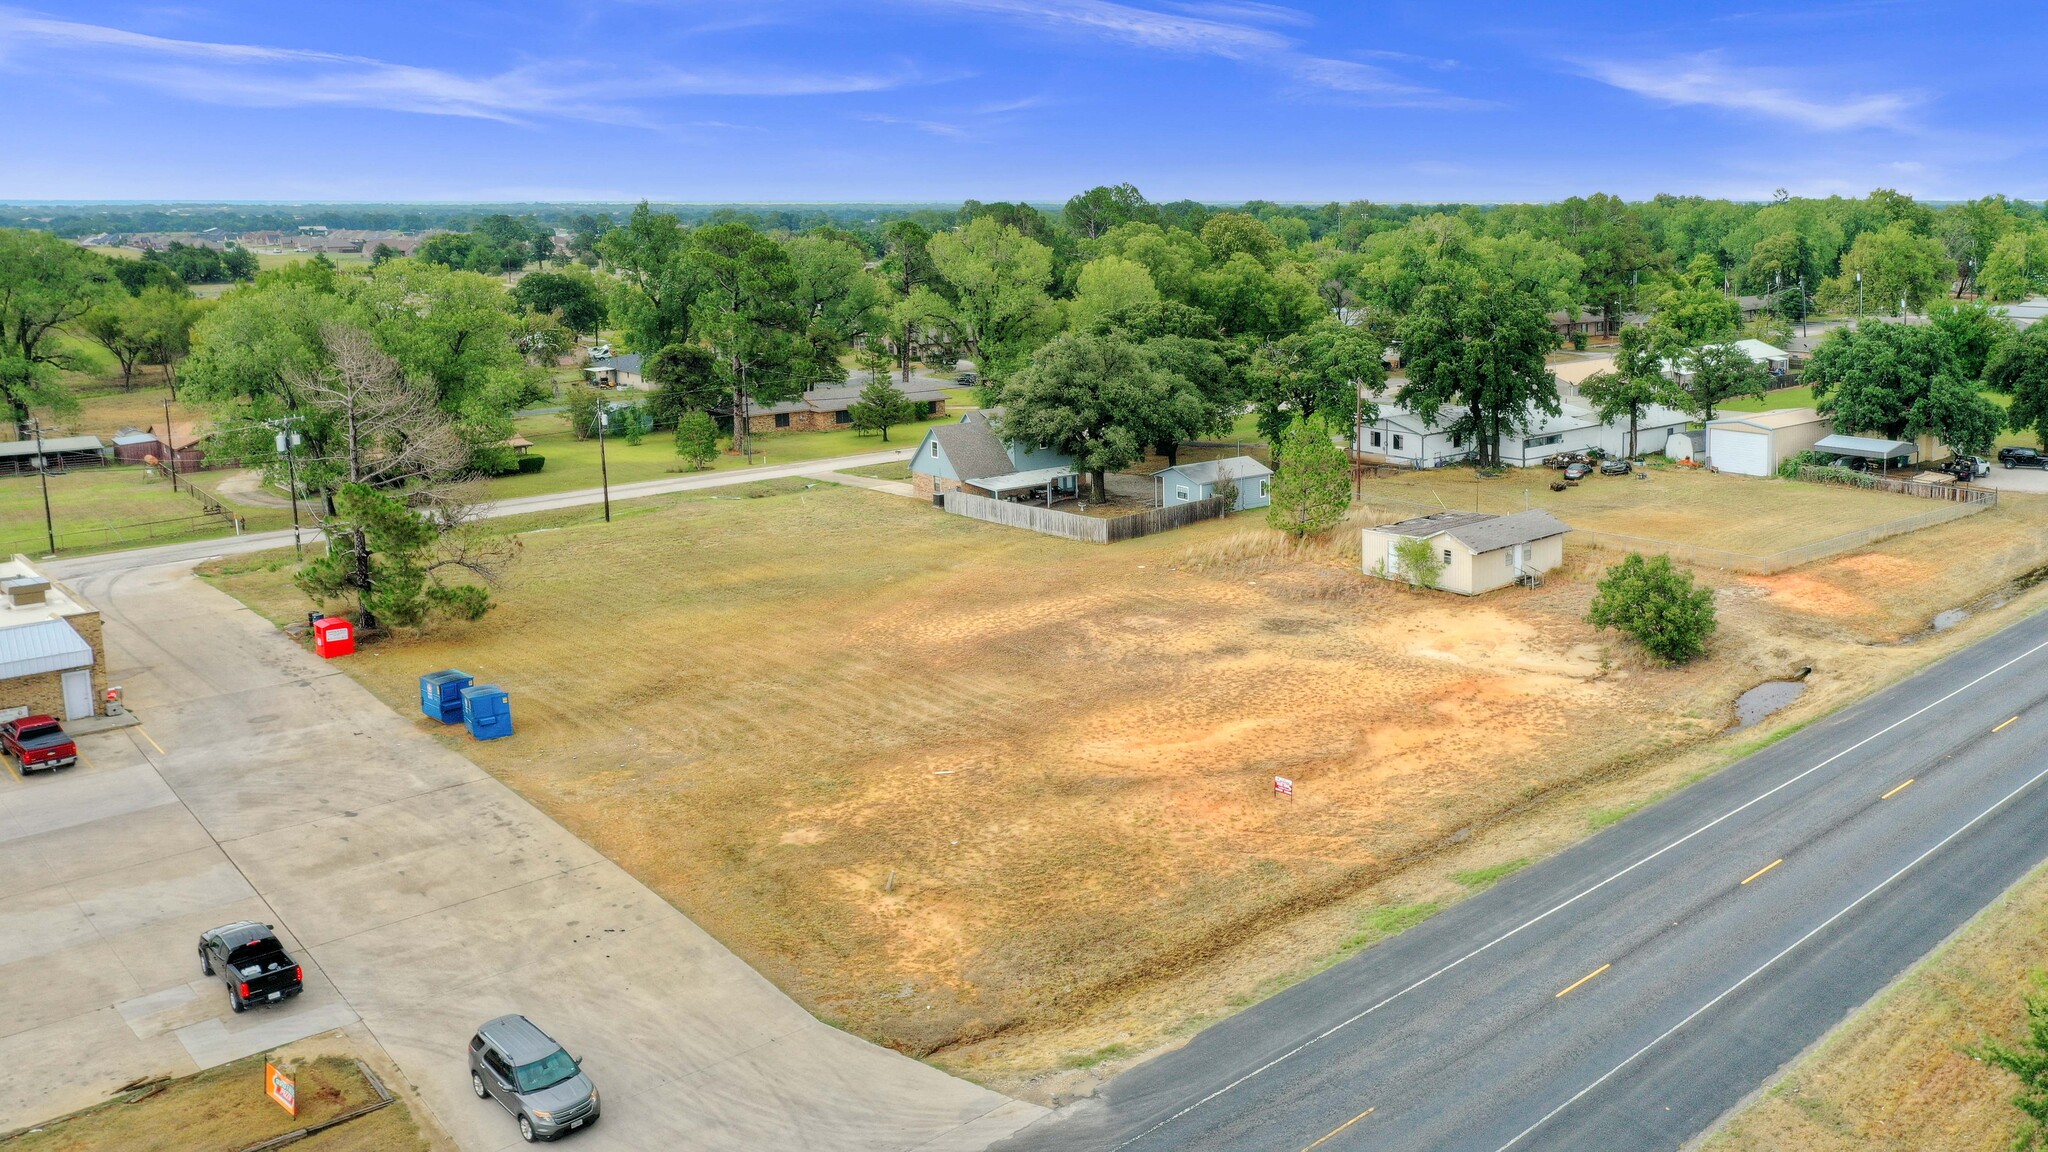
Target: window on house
<point>1400,441</point>
<point>782,419</point>
<point>1180,492</point>
<point>1457,439</point>
<point>1262,487</point>
<point>842,417</point>
<point>1376,440</point>
<point>935,449</point>
<point>1540,441</point>
<point>1447,556</point>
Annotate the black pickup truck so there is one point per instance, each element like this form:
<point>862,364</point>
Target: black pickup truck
<point>250,961</point>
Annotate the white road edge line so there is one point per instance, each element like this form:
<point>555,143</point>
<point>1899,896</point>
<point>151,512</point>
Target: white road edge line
<point>1735,987</point>
<point>1561,906</point>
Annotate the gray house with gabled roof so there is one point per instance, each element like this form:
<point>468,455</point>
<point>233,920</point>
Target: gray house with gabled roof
<point>969,457</point>
<point>1474,551</point>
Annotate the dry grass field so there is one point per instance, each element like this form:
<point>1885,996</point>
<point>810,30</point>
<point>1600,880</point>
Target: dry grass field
<point>1681,505</point>
<point>1899,1077</point>
<point>1006,802</point>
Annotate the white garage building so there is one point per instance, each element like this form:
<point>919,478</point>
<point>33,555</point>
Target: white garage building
<point>1753,443</point>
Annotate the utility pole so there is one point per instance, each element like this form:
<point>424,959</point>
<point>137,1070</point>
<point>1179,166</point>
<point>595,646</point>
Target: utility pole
<point>604,417</point>
<point>170,446</point>
<point>291,473</point>
<point>1859,297</point>
<point>43,471</point>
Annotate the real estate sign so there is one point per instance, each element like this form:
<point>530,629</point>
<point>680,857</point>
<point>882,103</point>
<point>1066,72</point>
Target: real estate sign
<point>281,1088</point>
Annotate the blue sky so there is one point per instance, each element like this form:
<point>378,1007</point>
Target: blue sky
<point>938,100</point>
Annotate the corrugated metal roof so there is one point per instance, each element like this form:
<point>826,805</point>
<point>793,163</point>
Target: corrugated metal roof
<point>52,444</point>
<point>46,646</point>
<point>1868,447</point>
<point>1022,481</point>
<point>1205,471</point>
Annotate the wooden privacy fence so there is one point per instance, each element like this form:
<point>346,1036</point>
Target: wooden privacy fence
<point>1087,529</point>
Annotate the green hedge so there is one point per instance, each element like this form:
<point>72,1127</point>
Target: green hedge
<point>531,464</point>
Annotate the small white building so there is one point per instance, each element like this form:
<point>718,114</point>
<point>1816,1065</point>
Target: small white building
<point>1477,551</point>
<point>1754,443</point>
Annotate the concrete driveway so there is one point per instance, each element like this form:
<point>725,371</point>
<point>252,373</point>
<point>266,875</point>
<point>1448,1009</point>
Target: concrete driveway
<point>2029,480</point>
<point>424,897</point>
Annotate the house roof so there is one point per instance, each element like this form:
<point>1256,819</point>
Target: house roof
<point>1867,447</point>
<point>1576,371</point>
<point>629,362</point>
<point>43,646</point>
<point>1423,527</point>
<point>972,449</point>
<point>1023,481</point>
<point>1503,531</point>
<point>838,398</point>
<point>53,444</point>
<point>1207,471</point>
<point>1760,351</point>
<point>182,435</point>
<point>1774,418</point>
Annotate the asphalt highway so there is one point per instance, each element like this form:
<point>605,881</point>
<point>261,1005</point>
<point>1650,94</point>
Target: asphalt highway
<point>1627,992</point>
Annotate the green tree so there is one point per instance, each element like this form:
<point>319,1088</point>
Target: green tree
<point>650,256</point>
<point>1899,380</point>
<point>396,578</point>
<point>1955,413</point>
<point>881,405</point>
<point>1478,348</point>
<point>117,327</point>
<point>46,284</point>
<point>1105,285</point>
<point>999,278</point>
<point>1636,383</point>
<point>1969,333</point>
<point>2027,1060</point>
<point>1710,376</point>
<point>574,293</point>
<point>1099,400</point>
<point>1326,371</point>
<point>685,379</point>
<point>165,317</point>
<point>697,439</point>
<point>1100,209</point>
<point>1311,488</point>
<point>1896,265</point>
<point>2020,370</point>
<point>747,316</point>
<point>838,301</point>
<point>1656,604</point>
<point>1695,311</point>
<point>2017,266</point>
<point>1416,560</point>
<point>1228,234</point>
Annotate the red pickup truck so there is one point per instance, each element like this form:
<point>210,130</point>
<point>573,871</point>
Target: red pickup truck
<point>38,742</point>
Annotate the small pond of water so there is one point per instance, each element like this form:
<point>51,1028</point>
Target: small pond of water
<point>1764,699</point>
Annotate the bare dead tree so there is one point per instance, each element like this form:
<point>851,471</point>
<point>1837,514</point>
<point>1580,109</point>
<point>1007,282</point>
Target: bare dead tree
<point>390,430</point>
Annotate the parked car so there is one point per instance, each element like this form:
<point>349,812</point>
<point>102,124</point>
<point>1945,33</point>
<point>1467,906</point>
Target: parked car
<point>532,1077</point>
<point>249,959</point>
<point>2016,457</point>
<point>1577,471</point>
<point>1965,468</point>
<point>1618,466</point>
<point>1855,463</point>
<point>38,742</point>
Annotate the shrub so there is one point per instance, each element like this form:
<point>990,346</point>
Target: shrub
<point>1650,600</point>
<point>1418,561</point>
<point>531,464</point>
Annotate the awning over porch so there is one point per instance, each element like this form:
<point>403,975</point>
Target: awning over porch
<point>1866,447</point>
<point>1030,481</point>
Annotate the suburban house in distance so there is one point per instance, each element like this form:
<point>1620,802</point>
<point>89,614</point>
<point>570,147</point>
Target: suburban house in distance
<point>829,406</point>
<point>1187,483</point>
<point>52,660</point>
<point>1479,551</point>
<point>1774,359</point>
<point>1755,443</point>
<point>969,457</point>
<point>1400,437</point>
<point>616,372</point>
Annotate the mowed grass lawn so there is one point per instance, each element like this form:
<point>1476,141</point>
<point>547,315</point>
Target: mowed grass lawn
<point>1677,505</point>
<point>224,1109</point>
<point>99,508</point>
<point>573,464</point>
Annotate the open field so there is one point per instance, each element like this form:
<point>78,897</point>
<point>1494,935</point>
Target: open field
<point>99,508</point>
<point>104,407</point>
<point>1005,801</point>
<point>224,1109</point>
<point>1898,1076</point>
<point>1680,505</point>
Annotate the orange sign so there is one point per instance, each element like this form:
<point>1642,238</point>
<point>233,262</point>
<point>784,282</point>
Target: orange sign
<point>280,1087</point>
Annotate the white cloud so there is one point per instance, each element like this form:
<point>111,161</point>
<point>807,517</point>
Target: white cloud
<point>1226,30</point>
<point>256,75</point>
<point>1708,81</point>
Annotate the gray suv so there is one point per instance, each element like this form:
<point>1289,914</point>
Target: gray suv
<point>532,1077</point>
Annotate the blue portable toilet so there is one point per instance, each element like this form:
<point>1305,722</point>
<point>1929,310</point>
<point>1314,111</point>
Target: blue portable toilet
<point>441,694</point>
<point>487,711</point>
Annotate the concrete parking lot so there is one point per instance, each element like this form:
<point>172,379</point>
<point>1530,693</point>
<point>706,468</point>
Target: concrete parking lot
<point>423,896</point>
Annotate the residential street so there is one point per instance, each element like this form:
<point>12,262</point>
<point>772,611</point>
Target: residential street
<point>422,897</point>
<point>1625,993</point>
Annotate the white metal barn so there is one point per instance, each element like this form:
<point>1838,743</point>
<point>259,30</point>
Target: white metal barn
<point>1753,443</point>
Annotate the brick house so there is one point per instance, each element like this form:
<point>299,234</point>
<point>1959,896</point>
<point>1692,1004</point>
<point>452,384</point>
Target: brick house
<point>52,657</point>
<point>830,406</point>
